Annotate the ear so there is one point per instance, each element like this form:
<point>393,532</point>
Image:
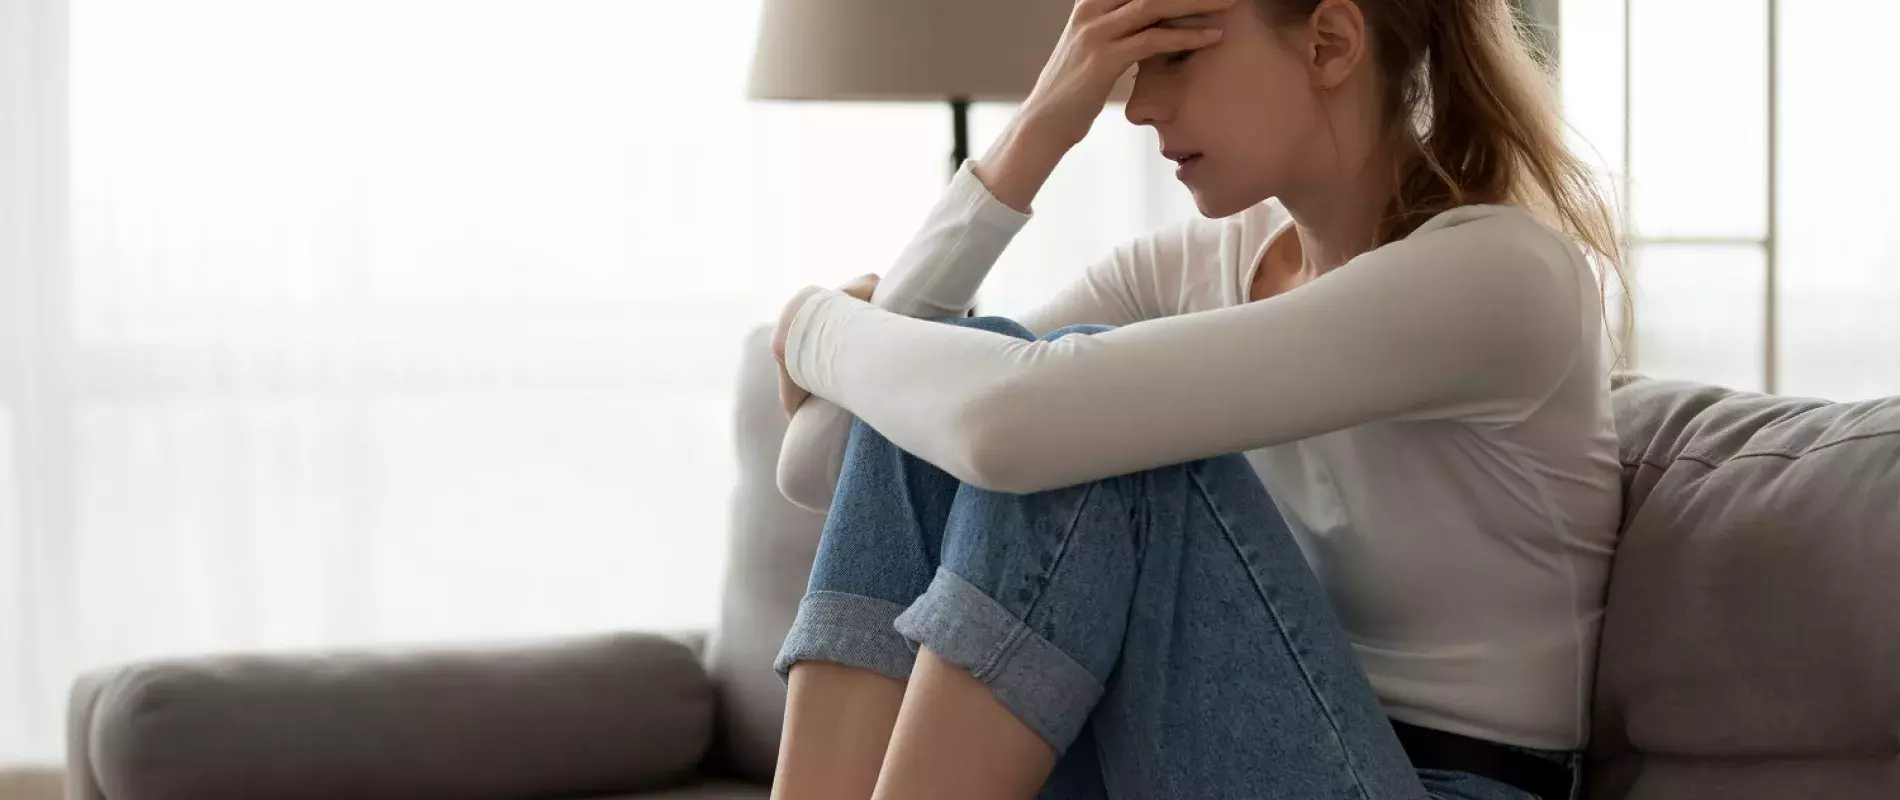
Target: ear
<point>1336,42</point>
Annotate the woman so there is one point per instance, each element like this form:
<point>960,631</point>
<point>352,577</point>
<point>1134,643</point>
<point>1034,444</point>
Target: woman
<point>1312,498</point>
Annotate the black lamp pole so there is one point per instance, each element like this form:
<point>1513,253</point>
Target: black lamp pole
<point>960,132</point>
<point>960,143</point>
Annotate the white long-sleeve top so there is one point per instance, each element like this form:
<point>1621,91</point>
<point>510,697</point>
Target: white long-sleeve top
<point>1432,418</point>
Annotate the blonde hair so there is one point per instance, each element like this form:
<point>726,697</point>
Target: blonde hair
<point>1473,117</point>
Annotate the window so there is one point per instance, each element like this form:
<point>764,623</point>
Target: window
<point>1757,184</point>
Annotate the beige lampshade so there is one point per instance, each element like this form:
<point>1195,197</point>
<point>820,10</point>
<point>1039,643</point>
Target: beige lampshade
<point>904,49</point>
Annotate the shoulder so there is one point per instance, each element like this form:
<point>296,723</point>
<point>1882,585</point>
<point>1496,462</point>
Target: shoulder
<point>1499,237</point>
<point>1504,255</point>
<point>1532,282</point>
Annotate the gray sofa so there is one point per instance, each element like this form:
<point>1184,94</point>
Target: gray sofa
<point>1751,648</point>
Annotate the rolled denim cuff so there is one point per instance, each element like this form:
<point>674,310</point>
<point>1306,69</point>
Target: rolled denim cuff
<point>849,629</point>
<point>1039,683</point>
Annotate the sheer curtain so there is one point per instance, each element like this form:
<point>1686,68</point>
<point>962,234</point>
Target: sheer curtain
<point>356,322</point>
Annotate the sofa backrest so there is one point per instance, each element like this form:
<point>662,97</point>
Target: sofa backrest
<point>1751,642</point>
<point>769,553</point>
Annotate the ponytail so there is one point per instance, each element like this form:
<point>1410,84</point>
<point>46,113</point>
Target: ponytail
<point>1493,133</point>
<point>1473,118</point>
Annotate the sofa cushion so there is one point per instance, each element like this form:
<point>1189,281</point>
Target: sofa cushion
<point>587,715</point>
<point>1751,642</point>
<point>769,554</point>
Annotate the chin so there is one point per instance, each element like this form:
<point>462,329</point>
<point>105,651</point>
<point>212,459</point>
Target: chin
<point>1215,204</point>
<point>1226,193</point>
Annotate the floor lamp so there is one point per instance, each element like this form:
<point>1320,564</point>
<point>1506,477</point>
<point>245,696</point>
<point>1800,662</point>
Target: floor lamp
<point>954,51</point>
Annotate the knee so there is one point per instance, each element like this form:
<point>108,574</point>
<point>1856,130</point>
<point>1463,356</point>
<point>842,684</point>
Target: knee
<point>1077,330</point>
<point>1002,325</point>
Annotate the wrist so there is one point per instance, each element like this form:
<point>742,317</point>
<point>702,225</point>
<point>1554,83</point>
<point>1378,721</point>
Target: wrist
<point>1020,161</point>
<point>1043,130</point>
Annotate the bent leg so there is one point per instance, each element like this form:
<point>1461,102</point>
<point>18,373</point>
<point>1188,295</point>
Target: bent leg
<point>1160,629</point>
<point>844,664</point>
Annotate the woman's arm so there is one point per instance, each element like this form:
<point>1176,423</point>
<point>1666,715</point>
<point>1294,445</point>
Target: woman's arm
<point>1473,318</point>
<point>937,276</point>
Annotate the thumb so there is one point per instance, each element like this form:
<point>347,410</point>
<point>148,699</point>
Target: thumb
<point>862,287</point>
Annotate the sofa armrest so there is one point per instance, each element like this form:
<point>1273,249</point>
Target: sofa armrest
<point>617,713</point>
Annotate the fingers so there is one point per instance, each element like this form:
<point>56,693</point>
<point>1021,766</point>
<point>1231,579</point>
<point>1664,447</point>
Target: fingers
<point>1156,41</point>
<point>1131,17</point>
<point>1090,9</point>
<point>790,394</point>
<point>861,287</point>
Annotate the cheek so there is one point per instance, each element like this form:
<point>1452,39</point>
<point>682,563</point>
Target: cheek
<point>1263,135</point>
<point>1256,98</point>
<point>1264,125</point>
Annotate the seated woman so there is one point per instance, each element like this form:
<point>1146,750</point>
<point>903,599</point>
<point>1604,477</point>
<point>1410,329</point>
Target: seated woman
<point>1312,498</point>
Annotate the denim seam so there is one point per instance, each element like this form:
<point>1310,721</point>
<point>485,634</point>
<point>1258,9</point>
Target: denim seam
<point>1011,642</point>
<point>988,668</point>
<point>1273,610</point>
<point>1062,552</point>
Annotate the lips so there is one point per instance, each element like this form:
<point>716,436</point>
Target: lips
<point>1184,161</point>
<point>1185,164</point>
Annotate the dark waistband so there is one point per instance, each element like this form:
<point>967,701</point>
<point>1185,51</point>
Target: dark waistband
<point>1435,749</point>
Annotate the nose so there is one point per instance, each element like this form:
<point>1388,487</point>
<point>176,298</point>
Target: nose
<point>1146,102</point>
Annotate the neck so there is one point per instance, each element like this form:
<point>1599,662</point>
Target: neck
<point>1338,219</point>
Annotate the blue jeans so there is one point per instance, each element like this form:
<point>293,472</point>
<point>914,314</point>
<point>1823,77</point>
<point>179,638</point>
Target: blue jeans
<point>1160,630</point>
